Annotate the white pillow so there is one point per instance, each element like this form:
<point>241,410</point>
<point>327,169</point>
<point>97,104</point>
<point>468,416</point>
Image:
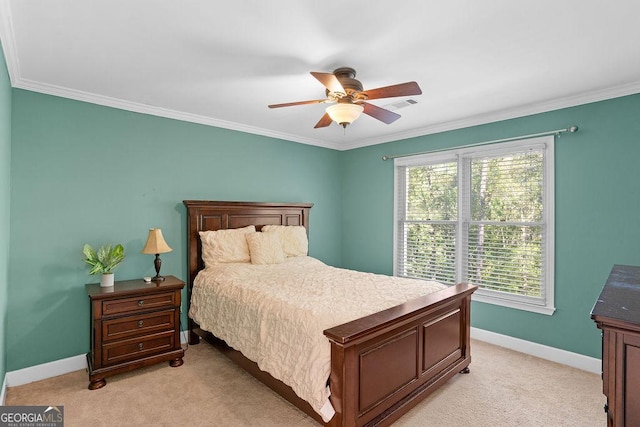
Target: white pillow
<point>293,237</point>
<point>222,246</point>
<point>265,248</point>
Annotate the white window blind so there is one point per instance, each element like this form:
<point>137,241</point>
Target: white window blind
<point>482,215</point>
<point>429,226</point>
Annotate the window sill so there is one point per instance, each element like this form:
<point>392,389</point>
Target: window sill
<point>541,309</point>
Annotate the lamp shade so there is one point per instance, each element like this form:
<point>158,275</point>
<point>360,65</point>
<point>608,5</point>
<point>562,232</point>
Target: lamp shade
<point>155,243</point>
<point>344,113</point>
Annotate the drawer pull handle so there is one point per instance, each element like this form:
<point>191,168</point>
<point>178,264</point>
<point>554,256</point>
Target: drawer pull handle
<point>140,346</point>
<point>140,302</point>
<point>140,323</point>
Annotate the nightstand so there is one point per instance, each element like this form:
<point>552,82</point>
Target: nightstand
<point>133,324</point>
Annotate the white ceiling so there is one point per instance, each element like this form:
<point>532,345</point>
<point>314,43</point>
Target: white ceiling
<point>221,63</point>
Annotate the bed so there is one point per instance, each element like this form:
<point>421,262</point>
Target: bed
<point>382,364</point>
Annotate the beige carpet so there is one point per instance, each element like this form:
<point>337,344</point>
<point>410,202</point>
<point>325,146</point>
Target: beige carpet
<point>504,388</point>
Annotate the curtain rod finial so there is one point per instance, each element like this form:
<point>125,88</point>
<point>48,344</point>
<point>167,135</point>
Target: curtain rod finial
<point>385,158</point>
<point>573,129</point>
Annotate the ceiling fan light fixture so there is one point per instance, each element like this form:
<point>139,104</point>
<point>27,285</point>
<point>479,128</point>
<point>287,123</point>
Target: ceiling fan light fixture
<point>344,113</point>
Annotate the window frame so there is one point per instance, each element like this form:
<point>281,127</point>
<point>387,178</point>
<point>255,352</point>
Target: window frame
<point>461,156</point>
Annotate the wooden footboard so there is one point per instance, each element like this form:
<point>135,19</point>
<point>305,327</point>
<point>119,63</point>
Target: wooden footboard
<point>384,364</point>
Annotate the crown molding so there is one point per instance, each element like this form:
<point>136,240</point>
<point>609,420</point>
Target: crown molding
<point>7,39</point>
<point>496,116</point>
<point>10,52</point>
<point>511,113</point>
<point>8,42</point>
<point>137,107</point>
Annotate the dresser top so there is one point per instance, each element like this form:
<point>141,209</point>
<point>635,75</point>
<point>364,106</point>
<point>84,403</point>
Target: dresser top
<point>137,286</point>
<point>620,297</point>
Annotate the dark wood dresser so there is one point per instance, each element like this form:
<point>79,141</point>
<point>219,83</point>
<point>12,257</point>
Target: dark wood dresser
<point>617,314</point>
<point>133,324</point>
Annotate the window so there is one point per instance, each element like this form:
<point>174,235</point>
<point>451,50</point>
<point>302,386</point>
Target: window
<point>482,215</point>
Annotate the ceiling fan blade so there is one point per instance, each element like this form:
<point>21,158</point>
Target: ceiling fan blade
<point>402,89</point>
<point>381,114</point>
<point>323,122</point>
<point>291,104</point>
<point>329,80</point>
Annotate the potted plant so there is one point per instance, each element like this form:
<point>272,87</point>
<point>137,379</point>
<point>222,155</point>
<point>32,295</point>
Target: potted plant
<point>103,261</point>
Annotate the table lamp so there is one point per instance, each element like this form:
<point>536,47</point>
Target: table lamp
<point>156,245</point>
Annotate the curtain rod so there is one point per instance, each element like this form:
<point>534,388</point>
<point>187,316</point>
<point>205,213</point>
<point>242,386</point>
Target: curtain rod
<point>556,132</point>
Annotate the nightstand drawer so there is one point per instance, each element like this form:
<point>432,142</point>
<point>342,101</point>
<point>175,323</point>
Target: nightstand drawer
<point>137,348</point>
<point>143,324</point>
<point>146,302</point>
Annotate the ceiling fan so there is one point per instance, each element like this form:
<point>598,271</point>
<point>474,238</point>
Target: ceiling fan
<point>349,99</point>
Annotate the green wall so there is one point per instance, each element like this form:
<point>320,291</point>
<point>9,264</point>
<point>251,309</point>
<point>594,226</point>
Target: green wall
<point>5,187</point>
<point>83,173</point>
<point>597,204</point>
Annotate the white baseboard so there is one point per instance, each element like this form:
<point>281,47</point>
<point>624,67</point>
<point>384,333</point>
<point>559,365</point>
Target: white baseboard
<point>46,370</point>
<point>575,360</point>
<point>53,369</point>
<point>76,363</point>
<point>3,390</point>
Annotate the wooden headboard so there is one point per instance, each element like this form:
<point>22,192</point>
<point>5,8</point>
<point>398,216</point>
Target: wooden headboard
<point>203,215</point>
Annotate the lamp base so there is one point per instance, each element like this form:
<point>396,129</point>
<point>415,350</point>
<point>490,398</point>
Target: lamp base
<point>157,263</point>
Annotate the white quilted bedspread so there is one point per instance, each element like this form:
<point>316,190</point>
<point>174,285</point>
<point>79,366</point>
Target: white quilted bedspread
<point>276,314</point>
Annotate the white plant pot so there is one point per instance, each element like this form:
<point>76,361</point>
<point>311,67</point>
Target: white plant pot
<point>106,281</point>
